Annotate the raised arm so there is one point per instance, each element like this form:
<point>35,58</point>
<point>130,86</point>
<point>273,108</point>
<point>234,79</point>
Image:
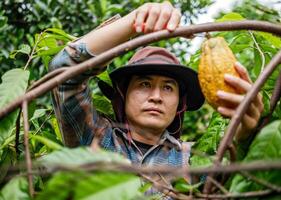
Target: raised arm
<point>72,100</point>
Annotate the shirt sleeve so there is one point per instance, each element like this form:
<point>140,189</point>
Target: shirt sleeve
<point>77,118</point>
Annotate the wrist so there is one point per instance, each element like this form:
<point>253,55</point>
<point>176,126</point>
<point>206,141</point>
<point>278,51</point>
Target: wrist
<point>129,20</point>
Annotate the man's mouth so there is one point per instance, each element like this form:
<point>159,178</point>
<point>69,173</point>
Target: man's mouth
<point>154,110</point>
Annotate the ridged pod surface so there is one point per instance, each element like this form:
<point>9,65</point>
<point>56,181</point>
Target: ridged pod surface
<point>216,60</point>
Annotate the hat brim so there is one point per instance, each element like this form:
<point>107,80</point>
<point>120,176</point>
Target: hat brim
<point>187,76</point>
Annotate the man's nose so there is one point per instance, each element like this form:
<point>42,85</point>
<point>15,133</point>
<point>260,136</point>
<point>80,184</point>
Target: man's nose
<point>155,95</point>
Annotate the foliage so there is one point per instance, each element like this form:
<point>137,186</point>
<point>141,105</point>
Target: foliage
<point>266,146</point>
<point>79,184</point>
<point>207,145</point>
<point>45,26</point>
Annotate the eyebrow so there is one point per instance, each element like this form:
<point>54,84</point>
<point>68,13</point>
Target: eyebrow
<point>147,77</point>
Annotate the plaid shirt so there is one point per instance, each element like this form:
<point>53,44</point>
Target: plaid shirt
<point>80,123</point>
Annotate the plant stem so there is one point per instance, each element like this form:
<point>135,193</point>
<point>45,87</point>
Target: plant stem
<point>26,145</point>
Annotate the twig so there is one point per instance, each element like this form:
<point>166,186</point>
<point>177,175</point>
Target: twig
<point>26,144</point>
<point>276,95</point>
<point>262,182</point>
<point>130,45</point>
<point>47,77</point>
<point>113,166</point>
<point>30,56</point>
<point>166,190</point>
<point>232,152</point>
<point>17,137</point>
<point>46,119</point>
<point>236,196</point>
<point>259,50</point>
<point>218,185</point>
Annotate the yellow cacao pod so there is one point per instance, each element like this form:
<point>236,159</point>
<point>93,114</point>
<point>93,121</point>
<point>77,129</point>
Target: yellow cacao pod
<point>216,60</point>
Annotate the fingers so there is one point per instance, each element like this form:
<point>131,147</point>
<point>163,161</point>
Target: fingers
<point>235,99</point>
<point>238,83</point>
<point>230,97</point>
<point>248,122</point>
<point>243,84</point>
<point>174,20</point>
<point>152,18</point>
<point>156,16</point>
<point>231,101</point>
<point>242,71</point>
<point>141,16</point>
<point>164,17</point>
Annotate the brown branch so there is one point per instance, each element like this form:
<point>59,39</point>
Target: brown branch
<point>17,137</point>
<point>276,95</point>
<point>30,56</point>
<point>165,189</point>
<point>47,77</point>
<point>262,182</point>
<point>176,172</point>
<point>130,45</point>
<point>26,144</point>
<point>241,110</point>
<point>218,185</point>
<point>237,196</point>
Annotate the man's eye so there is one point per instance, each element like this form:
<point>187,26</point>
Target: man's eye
<point>168,88</point>
<point>145,84</point>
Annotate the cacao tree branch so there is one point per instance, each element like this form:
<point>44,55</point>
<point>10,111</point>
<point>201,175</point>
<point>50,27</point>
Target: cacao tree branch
<point>30,56</point>
<point>262,193</point>
<point>261,182</point>
<point>276,95</point>
<point>164,170</point>
<point>26,145</point>
<point>130,45</point>
<point>218,185</point>
<point>47,77</point>
<point>17,137</point>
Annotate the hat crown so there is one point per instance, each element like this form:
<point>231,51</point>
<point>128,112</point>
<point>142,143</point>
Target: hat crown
<point>153,55</point>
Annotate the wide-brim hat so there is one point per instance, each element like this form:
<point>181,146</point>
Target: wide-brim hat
<point>158,61</point>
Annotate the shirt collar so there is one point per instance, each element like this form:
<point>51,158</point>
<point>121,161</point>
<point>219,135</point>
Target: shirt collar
<point>166,137</point>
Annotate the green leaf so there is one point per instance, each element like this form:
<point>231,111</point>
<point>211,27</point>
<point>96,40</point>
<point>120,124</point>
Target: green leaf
<point>14,84</point>
<point>98,186</point>
<point>47,42</point>
<point>49,52</point>
<point>275,41</point>
<point>208,143</point>
<point>62,33</point>
<point>5,162</point>
<point>103,5</point>
<point>78,156</point>
<point>3,21</point>
<point>266,147</point>
<point>38,113</point>
<point>102,105</point>
<point>182,185</point>
<point>24,48</point>
<point>15,189</point>
<point>47,142</point>
<point>111,186</point>
<point>231,17</point>
<point>55,126</point>
<point>105,77</point>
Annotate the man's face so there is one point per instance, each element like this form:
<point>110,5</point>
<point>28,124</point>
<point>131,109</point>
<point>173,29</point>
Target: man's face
<point>151,102</point>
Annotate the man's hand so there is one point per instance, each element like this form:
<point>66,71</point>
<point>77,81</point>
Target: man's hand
<point>252,115</point>
<point>152,17</point>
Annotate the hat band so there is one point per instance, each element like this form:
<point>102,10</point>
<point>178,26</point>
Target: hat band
<point>153,60</point>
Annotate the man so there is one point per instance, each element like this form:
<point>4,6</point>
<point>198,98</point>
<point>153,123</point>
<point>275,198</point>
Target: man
<point>149,95</point>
